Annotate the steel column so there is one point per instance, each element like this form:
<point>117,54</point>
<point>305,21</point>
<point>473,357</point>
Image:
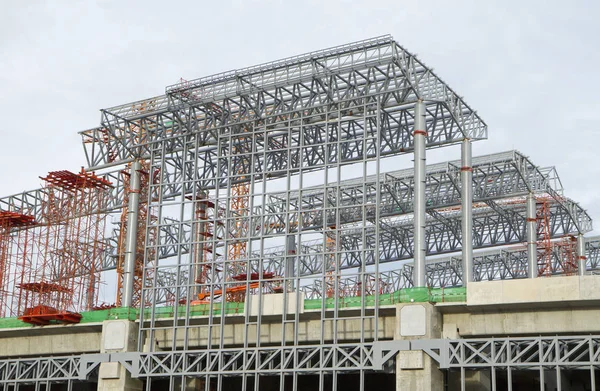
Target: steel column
<point>290,262</point>
<point>581,257</point>
<point>132,227</point>
<point>420,139</point>
<point>531,237</point>
<point>466,175</point>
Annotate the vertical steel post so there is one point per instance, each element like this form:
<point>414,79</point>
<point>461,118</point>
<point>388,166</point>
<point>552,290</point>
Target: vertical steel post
<point>531,222</point>
<point>466,177</point>
<point>581,258</point>
<point>420,138</point>
<point>132,227</point>
<point>289,272</point>
<point>200,216</point>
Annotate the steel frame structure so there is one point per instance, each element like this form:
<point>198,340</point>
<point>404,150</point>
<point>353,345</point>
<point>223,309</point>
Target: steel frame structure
<point>447,272</point>
<point>319,133</point>
<point>316,119</point>
<point>289,93</point>
<point>546,355</point>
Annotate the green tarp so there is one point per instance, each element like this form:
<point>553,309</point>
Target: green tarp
<point>408,295</point>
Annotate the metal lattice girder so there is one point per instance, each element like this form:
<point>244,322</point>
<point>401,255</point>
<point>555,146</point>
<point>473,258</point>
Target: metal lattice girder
<point>57,369</point>
<point>502,225</point>
<point>503,264</point>
<point>496,176</point>
<point>33,202</point>
<point>285,360</point>
<point>290,97</point>
<point>519,353</point>
<point>174,236</point>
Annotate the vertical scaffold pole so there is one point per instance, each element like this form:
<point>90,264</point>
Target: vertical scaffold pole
<point>466,175</point>
<point>420,138</point>
<point>531,237</point>
<point>132,226</point>
<point>581,258</point>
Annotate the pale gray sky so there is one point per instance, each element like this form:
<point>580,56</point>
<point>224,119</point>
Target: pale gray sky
<point>528,67</point>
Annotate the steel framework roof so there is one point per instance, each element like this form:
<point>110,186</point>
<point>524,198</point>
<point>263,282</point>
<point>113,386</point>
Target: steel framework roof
<point>337,82</point>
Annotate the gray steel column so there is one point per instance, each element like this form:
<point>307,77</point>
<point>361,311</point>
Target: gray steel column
<point>290,262</point>
<point>466,176</point>
<point>531,222</point>
<point>420,138</point>
<point>132,227</point>
<point>581,258</point>
<point>200,218</point>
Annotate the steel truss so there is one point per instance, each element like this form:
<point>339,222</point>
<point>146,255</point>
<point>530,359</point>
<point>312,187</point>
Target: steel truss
<point>510,354</point>
<point>496,177</point>
<point>502,264</point>
<point>339,84</point>
<point>48,370</point>
<point>549,356</point>
<point>500,182</point>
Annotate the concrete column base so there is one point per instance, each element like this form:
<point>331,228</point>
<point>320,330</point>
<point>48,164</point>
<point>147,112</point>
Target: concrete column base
<point>118,336</point>
<point>416,371</point>
<point>114,377</point>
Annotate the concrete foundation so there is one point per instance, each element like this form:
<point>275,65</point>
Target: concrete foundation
<point>540,306</point>
<point>415,370</point>
<point>118,336</point>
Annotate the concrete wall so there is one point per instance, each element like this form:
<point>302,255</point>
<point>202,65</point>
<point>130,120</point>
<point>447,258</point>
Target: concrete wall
<point>309,331</point>
<point>535,290</point>
<point>42,341</point>
<point>555,305</point>
<point>521,322</point>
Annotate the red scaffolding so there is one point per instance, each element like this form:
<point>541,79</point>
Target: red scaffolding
<point>10,225</point>
<point>58,260</point>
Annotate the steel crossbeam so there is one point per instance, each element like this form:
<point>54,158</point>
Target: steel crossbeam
<point>522,353</point>
<point>490,229</point>
<point>446,272</point>
<point>510,353</point>
<point>58,369</point>
<point>498,176</point>
<point>339,84</point>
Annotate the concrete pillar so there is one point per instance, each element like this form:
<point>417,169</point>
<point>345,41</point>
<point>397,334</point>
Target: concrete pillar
<point>581,257</point>
<point>132,227</point>
<point>531,221</point>
<point>466,175</point>
<point>415,370</point>
<point>118,336</point>
<point>420,139</point>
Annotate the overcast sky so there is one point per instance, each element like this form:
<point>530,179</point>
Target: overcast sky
<point>529,68</point>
